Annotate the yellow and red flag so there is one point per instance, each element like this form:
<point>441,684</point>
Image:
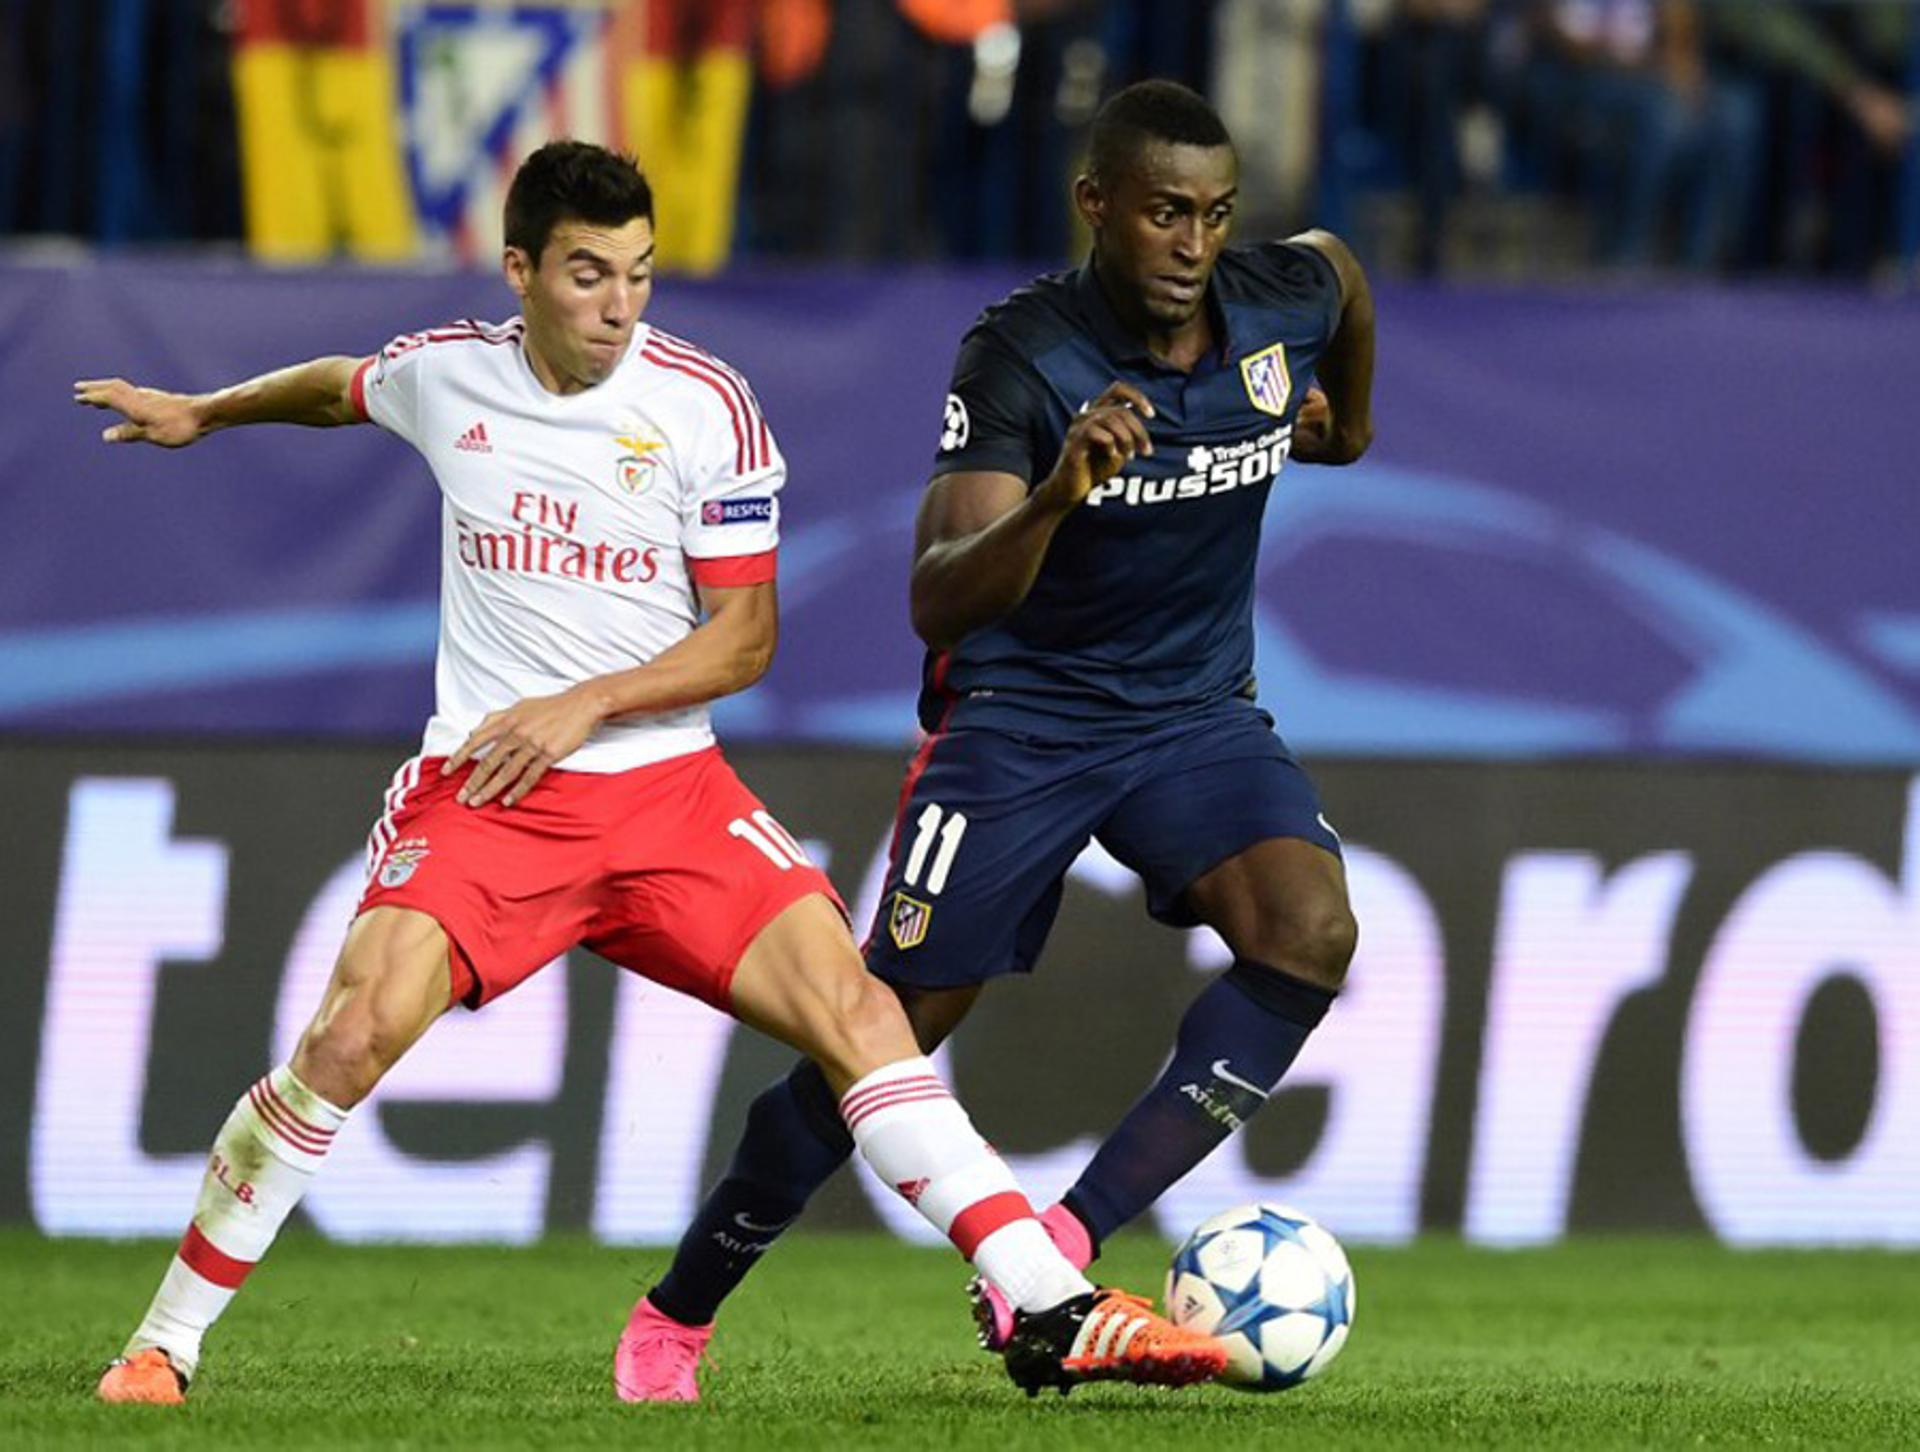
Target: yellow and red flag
<point>320,151</point>
<point>685,80</point>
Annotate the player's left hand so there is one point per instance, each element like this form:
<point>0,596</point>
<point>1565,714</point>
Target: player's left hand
<point>149,415</point>
<point>1312,428</point>
<point>512,749</point>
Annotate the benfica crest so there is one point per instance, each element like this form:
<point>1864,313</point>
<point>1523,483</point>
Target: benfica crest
<point>632,472</point>
<point>402,861</point>
<point>1269,385</point>
<point>907,921</point>
<point>636,464</point>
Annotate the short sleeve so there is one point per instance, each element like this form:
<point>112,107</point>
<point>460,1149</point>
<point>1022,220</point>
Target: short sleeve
<point>1301,277</point>
<point>731,522</point>
<point>995,410</point>
<point>386,387</point>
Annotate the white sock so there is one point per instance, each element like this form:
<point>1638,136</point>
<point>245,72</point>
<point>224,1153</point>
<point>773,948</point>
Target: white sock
<point>921,1142</point>
<point>264,1158</point>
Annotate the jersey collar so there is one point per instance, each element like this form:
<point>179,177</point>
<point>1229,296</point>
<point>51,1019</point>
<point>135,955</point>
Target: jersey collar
<point>1126,347</point>
<point>532,379</point>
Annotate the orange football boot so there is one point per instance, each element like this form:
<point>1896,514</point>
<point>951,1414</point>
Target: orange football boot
<point>1107,1336</point>
<point>146,1376</point>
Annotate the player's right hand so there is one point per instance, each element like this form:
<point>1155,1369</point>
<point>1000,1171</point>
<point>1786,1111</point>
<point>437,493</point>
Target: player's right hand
<point>171,420</point>
<point>1109,431</point>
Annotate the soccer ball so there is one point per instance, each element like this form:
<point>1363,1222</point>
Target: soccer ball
<point>1273,1285</point>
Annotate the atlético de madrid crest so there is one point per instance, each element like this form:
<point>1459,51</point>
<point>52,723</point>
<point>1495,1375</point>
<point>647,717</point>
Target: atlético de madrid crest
<point>907,921</point>
<point>1269,385</point>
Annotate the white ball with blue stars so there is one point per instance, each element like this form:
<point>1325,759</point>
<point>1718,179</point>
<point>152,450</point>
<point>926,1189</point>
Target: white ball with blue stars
<point>1273,1285</point>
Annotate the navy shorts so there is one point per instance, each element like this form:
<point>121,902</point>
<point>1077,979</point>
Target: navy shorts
<point>990,822</point>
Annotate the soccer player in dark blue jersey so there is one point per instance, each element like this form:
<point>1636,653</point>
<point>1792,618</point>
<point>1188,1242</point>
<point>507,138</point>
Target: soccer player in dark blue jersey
<point>1083,579</point>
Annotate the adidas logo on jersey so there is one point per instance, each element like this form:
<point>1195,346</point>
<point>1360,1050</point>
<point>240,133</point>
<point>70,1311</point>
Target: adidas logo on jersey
<point>474,440</point>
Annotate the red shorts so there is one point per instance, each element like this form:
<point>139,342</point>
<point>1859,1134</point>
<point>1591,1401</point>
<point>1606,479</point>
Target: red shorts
<point>670,870</point>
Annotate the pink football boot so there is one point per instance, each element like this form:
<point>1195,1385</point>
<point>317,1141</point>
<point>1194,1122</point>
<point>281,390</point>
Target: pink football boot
<point>657,1357</point>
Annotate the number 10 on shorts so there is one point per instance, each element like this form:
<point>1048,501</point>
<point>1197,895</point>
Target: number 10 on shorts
<point>772,840</point>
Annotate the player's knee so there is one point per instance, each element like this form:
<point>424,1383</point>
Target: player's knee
<point>342,1056</point>
<point>870,1015</point>
<point>867,1029</point>
<point>1327,944</point>
<point>1316,944</point>
<point>353,1041</point>
<point>382,997</point>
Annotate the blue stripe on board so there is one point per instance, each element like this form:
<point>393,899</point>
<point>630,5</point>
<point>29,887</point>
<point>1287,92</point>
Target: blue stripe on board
<point>81,664</point>
<point>1894,638</point>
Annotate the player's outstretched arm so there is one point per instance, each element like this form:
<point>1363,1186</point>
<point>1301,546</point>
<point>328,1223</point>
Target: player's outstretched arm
<point>1341,432</point>
<point>318,393</point>
<point>980,537</point>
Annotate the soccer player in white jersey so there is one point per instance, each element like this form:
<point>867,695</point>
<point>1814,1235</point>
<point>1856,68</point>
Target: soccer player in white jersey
<point>610,525</point>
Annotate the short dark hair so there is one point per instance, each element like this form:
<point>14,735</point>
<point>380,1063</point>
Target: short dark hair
<point>573,179</point>
<point>1145,112</point>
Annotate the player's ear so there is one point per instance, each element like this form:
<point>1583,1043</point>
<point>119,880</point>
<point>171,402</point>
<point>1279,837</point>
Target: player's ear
<point>1089,200</point>
<point>519,270</point>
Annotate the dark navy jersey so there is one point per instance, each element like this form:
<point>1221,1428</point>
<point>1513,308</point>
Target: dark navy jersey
<point>1143,607</point>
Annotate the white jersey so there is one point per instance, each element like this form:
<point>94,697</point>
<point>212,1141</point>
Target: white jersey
<point>575,527</point>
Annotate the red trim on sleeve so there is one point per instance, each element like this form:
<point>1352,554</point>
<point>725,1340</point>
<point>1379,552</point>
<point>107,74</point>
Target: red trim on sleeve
<point>753,446</point>
<point>359,390</point>
<point>742,436</point>
<point>211,1263</point>
<point>732,571</point>
<point>980,1219</point>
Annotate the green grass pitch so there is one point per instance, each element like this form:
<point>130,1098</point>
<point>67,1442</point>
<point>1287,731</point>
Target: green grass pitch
<point>855,1341</point>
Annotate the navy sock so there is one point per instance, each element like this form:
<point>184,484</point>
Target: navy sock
<point>1237,1040</point>
<point>794,1141</point>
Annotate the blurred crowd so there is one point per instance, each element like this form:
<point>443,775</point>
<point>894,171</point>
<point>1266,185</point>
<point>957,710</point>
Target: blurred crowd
<point>1710,135</point>
<point>1460,137</point>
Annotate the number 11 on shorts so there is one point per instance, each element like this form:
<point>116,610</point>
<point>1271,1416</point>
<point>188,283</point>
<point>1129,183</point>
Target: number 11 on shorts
<point>930,828</point>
